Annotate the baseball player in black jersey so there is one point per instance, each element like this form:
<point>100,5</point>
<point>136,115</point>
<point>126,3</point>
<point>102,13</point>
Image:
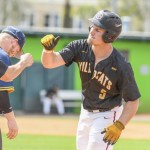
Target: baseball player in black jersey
<point>11,42</point>
<point>107,79</point>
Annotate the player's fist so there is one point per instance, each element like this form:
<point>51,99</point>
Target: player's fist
<point>26,59</point>
<point>49,42</point>
<point>113,132</point>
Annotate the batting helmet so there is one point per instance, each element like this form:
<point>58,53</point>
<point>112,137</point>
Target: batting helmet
<point>109,21</point>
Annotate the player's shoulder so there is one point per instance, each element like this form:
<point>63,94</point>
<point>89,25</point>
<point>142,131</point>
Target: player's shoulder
<point>120,60</point>
<point>80,42</point>
<point>4,57</point>
<point>78,45</point>
<point>3,54</point>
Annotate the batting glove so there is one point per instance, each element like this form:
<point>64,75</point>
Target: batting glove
<point>113,132</point>
<point>49,42</point>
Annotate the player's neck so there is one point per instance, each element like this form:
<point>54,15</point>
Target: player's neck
<point>102,51</point>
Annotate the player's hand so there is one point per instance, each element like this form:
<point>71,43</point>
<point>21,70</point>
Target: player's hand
<point>27,59</point>
<point>18,54</point>
<point>12,125</point>
<point>49,42</point>
<point>113,132</point>
<point>13,129</point>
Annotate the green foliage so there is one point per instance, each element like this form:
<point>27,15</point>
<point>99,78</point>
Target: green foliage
<point>138,10</point>
<point>86,11</point>
<point>105,4</point>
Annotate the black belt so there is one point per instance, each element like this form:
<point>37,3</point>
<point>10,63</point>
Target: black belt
<point>102,110</point>
<point>98,110</point>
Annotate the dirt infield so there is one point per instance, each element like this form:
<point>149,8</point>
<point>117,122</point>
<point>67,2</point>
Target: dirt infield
<point>138,128</point>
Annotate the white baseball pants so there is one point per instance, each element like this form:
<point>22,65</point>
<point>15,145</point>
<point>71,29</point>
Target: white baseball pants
<point>90,126</point>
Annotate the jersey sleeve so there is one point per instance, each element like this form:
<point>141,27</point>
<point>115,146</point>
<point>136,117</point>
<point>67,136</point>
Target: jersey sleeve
<point>130,89</point>
<point>70,52</point>
<point>5,86</point>
<point>3,68</point>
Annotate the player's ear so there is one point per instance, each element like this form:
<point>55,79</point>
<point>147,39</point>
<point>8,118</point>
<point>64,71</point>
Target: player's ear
<point>90,27</point>
<point>14,40</point>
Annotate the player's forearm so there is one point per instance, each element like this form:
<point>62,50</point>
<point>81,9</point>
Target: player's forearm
<point>51,59</point>
<point>130,109</point>
<point>13,71</point>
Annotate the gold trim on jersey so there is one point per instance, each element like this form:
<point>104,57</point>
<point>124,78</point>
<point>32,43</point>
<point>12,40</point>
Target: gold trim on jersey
<point>9,89</point>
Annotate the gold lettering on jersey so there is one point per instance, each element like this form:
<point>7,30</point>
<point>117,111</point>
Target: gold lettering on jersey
<point>109,85</point>
<point>102,79</point>
<point>84,67</point>
<point>105,80</point>
<point>96,74</point>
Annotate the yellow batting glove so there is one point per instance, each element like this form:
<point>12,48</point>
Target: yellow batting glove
<point>49,42</point>
<point>113,132</point>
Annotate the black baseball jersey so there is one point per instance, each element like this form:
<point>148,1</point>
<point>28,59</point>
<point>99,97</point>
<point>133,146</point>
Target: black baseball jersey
<point>106,84</point>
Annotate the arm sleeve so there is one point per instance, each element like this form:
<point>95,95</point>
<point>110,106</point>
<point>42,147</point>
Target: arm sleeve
<point>130,89</point>
<point>5,106</point>
<point>70,52</point>
<point>3,68</point>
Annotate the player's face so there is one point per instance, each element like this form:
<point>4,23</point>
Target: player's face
<point>14,48</point>
<point>95,35</point>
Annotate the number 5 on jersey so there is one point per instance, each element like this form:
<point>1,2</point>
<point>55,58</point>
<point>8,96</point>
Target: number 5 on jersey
<point>102,94</point>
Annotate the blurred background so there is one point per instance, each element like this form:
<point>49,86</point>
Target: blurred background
<point>69,19</point>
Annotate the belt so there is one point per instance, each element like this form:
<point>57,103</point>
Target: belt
<point>97,110</point>
<point>103,110</point>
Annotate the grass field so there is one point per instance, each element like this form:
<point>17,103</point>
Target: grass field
<point>58,133</point>
<point>45,142</point>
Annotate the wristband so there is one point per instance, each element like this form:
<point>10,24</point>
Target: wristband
<point>119,125</point>
<point>47,51</point>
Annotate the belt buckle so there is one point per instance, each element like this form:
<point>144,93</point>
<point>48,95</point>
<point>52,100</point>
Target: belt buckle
<point>95,111</point>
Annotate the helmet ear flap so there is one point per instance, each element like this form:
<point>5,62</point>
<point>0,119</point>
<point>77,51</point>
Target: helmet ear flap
<point>109,36</point>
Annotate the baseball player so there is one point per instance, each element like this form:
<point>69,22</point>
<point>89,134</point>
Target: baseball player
<point>50,97</point>
<point>107,79</point>
<point>11,42</point>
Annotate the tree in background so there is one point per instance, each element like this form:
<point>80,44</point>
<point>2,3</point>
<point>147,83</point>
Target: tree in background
<point>131,8</point>
<point>67,23</point>
<point>144,8</point>
<point>83,13</point>
<point>11,12</point>
<point>137,10</point>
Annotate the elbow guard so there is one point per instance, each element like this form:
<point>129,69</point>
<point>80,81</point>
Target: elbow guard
<point>5,106</point>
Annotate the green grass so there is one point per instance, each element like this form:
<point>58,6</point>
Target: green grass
<point>45,142</point>
<point>39,142</point>
<point>130,144</point>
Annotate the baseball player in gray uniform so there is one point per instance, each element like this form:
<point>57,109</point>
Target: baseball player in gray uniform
<point>107,79</point>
